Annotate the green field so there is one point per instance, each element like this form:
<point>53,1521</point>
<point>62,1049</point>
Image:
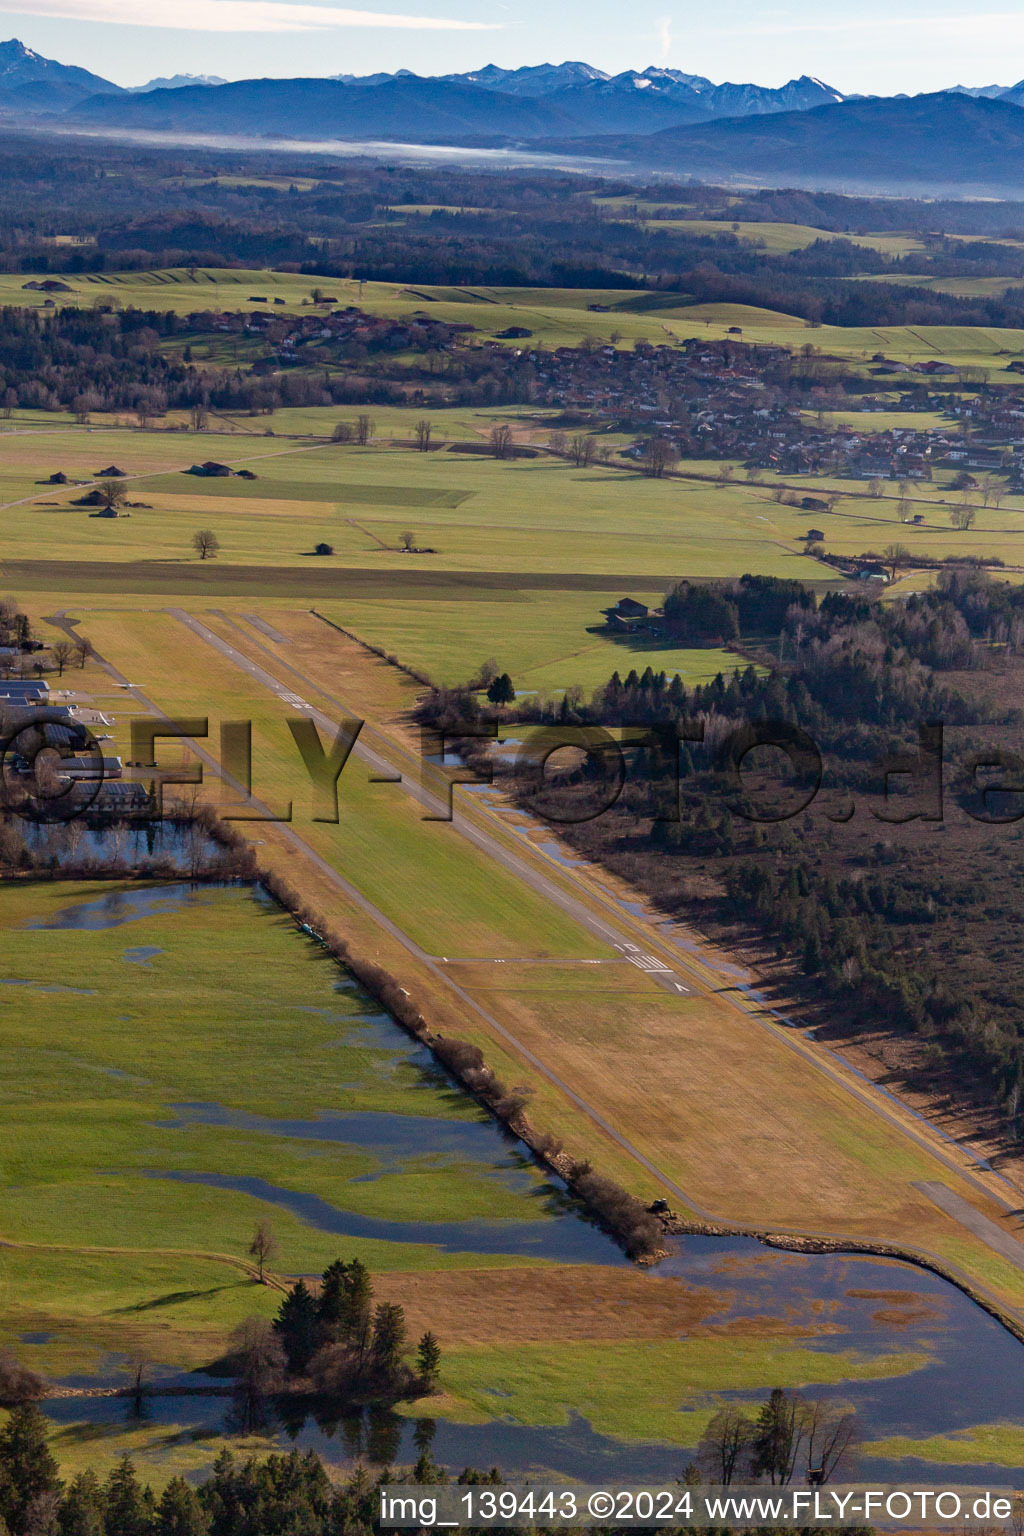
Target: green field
<point>959,287</point>
<point>1000,1445</point>
<point>468,513</point>
<point>556,317</point>
<point>233,290</point>
<point>670,1376</point>
<point>966,345</point>
<point>382,841</point>
<point>881,421</point>
<point>776,238</point>
<point>110,1043</point>
<point>545,640</point>
<point>115,1039</point>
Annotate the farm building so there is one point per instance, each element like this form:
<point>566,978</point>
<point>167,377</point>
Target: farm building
<point>210,470</point>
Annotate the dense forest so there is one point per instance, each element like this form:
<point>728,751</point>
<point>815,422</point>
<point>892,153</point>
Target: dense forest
<point>876,855</point>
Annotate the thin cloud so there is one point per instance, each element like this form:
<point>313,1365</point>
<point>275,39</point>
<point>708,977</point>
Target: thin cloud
<point>238,16</point>
<point>663,28</point>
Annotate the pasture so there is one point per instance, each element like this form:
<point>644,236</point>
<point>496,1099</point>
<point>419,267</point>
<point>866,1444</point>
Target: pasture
<point>545,640</point>
<point>234,290</point>
<point>964,345</point>
<point>467,513</point>
<point>880,421</point>
<point>855,526</point>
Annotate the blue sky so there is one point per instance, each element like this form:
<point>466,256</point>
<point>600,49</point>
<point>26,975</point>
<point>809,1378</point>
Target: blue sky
<point>856,45</point>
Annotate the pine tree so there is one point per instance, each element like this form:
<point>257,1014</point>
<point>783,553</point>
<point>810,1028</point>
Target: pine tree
<point>331,1305</point>
<point>179,1512</point>
<point>813,957</point>
<point>296,1326</point>
<point>27,1469</point>
<point>360,1297</point>
<point>428,1360</point>
<point>778,1435</point>
<point>81,1509</point>
<point>388,1338</point>
<point>426,1470</point>
<point>130,1507</point>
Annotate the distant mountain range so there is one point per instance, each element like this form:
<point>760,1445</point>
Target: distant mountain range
<point>493,105</point>
<point>802,133</point>
<point>942,142</point>
<point>568,99</point>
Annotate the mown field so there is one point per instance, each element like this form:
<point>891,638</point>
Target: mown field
<point>486,533</point>
<point>545,640</point>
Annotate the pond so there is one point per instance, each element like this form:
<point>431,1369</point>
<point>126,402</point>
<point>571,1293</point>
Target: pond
<point>181,846</point>
<point>126,905</point>
<point>975,1375</point>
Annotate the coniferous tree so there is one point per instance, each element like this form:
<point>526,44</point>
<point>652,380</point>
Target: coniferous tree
<point>388,1338</point>
<point>131,1508</point>
<point>428,1360</point>
<point>359,1289</point>
<point>296,1326</point>
<point>81,1511</point>
<point>27,1467</point>
<point>332,1303</point>
<point>179,1512</point>
<point>778,1436</point>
